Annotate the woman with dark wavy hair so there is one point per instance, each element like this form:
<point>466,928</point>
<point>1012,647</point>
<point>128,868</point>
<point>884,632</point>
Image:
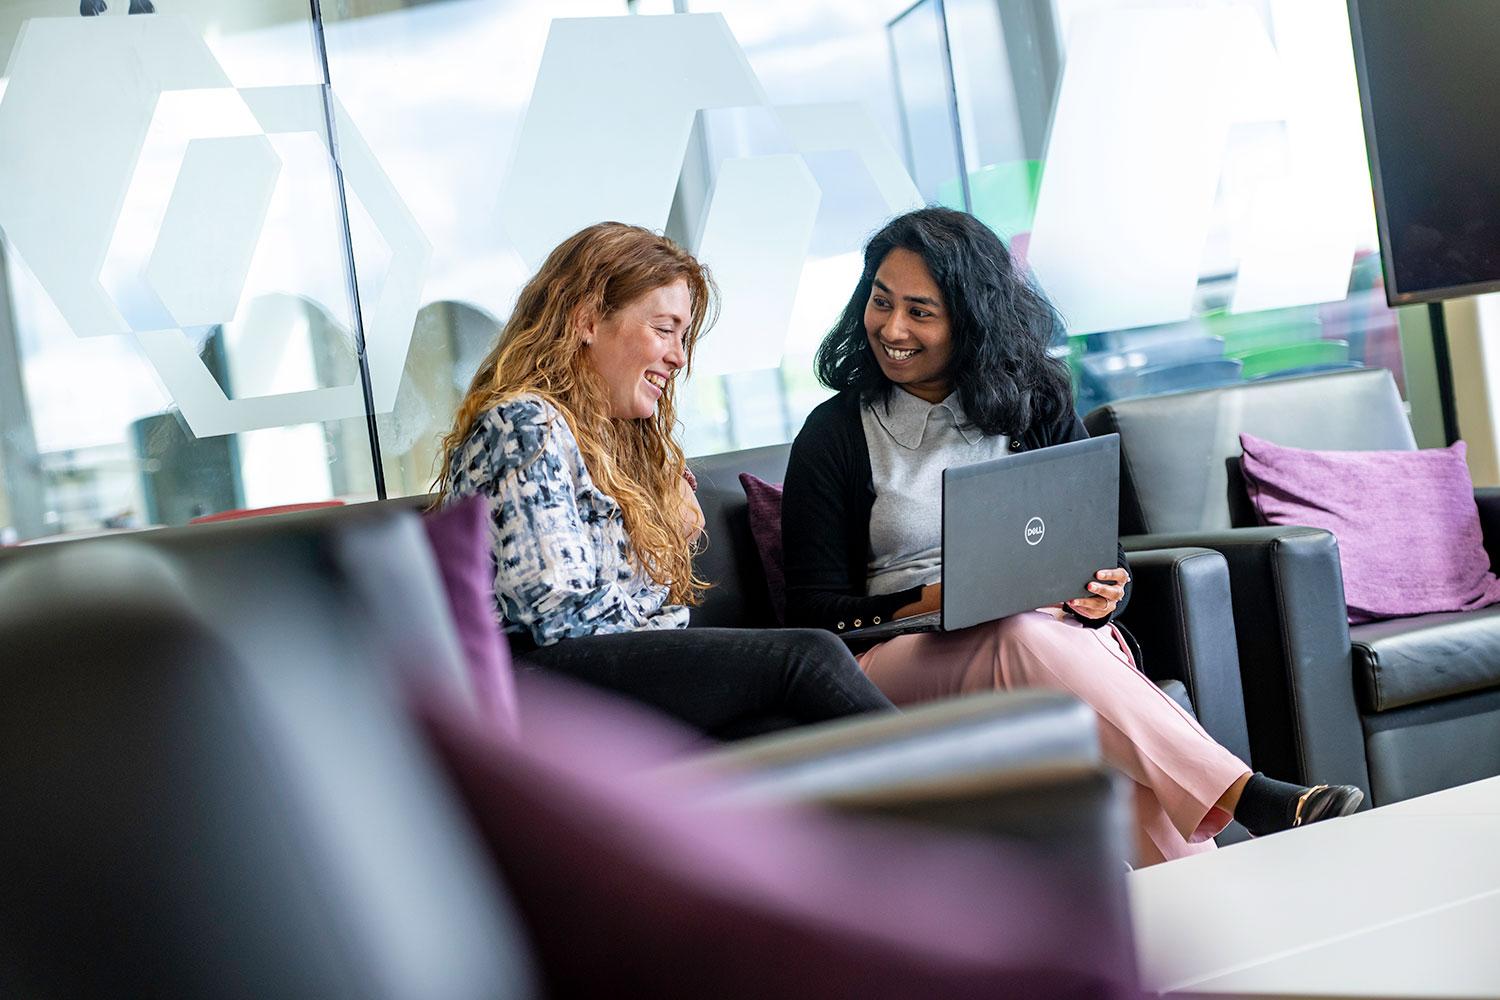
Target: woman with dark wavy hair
<point>940,359</point>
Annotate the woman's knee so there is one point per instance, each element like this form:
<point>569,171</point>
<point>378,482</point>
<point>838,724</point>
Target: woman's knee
<point>1027,628</point>
<point>816,645</point>
<point>825,675</point>
<point>1031,648</point>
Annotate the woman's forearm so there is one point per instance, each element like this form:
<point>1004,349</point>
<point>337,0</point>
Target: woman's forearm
<point>839,612</point>
<point>931,600</point>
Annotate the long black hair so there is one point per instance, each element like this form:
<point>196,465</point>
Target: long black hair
<point>1000,322</point>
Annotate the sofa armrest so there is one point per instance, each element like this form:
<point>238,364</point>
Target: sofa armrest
<point>1023,764</point>
<point>1292,631</point>
<point>1487,499</point>
<point>164,769</point>
<point>1183,618</point>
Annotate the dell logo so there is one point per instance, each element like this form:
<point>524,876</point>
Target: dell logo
<point>1035,529</point>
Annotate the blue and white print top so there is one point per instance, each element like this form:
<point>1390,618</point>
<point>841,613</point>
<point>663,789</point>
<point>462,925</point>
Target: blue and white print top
<point>562,558</point>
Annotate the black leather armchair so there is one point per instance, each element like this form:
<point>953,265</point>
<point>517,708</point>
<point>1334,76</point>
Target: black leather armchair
<point>1400,707</point>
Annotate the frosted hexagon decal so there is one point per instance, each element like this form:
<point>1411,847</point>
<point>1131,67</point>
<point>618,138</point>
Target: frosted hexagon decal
<point>63,195</point>
<point>70,156</point>
<point>605,139</point>
<point>198,271</point>
<point>756,237</point>
<point>610,116</point>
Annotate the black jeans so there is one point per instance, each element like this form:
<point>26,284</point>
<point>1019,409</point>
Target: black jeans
<point>728,682</point>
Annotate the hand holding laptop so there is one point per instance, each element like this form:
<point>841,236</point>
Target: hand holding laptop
<point>1107,590</point>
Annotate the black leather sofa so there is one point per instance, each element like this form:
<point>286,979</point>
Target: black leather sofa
<point>212,786</point>
<point>1179,611</point>
<point>1399,707</point>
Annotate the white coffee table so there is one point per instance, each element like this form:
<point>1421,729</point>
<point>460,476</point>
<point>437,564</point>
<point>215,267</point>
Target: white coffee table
<point>1400,901</point>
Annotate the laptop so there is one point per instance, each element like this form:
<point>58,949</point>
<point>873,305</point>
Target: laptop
<point>1021,532</point>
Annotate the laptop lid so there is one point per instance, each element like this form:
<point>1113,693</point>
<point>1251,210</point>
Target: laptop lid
<point>1027,530</point>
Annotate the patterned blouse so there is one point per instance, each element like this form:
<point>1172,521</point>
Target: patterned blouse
<point>562,558</point>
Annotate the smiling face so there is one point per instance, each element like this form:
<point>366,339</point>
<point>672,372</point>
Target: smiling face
<point>638,348</point>
<point>906,322</point>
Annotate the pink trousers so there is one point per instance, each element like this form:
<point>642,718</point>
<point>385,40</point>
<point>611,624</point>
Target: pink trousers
<point>1178,770</point>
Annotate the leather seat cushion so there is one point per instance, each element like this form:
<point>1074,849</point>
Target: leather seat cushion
<point>1407,661</point>
<point>1180,452</point>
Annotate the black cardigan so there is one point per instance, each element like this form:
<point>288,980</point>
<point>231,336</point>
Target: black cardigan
<point>825,518</point>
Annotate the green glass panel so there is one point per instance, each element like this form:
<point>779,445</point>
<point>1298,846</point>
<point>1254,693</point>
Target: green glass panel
<point>1288,356</point>
<point>1004,194</point>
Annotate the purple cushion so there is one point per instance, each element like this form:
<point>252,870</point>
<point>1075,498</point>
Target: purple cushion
<point>459,534</point>
<point>765,527</point>
<point>633,886</point>
<point>1408,530</point>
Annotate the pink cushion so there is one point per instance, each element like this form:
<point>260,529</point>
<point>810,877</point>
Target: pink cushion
<point>1406,523</point>
<point>460,538</point>
<point>637,887</point>
<point>765,527</point>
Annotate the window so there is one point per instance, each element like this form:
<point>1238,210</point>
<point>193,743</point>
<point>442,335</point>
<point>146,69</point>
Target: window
<point>198,312</point>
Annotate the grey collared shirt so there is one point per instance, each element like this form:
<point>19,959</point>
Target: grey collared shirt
<point>911,442</point>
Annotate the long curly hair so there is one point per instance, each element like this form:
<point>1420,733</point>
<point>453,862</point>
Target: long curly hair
<point>1000,322</point>
<point>540,351</point>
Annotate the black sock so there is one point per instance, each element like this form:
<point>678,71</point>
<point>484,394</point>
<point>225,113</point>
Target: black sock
<point>1267,805</point>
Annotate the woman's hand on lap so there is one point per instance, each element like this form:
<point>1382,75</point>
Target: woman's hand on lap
<point>1106,591</point>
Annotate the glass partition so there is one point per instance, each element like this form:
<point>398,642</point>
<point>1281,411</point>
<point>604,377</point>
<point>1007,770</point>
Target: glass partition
<point>922,67</point>
<point>439,93</point>
<point>198,312</point>
<point>1200,208</point>
<point>176,317</point>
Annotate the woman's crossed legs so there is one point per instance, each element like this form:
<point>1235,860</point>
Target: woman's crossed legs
<point>1180,773</point>
<point>722,681</point>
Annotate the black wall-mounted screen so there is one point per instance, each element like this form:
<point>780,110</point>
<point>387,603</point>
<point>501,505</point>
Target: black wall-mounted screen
<point>1429,81</point>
